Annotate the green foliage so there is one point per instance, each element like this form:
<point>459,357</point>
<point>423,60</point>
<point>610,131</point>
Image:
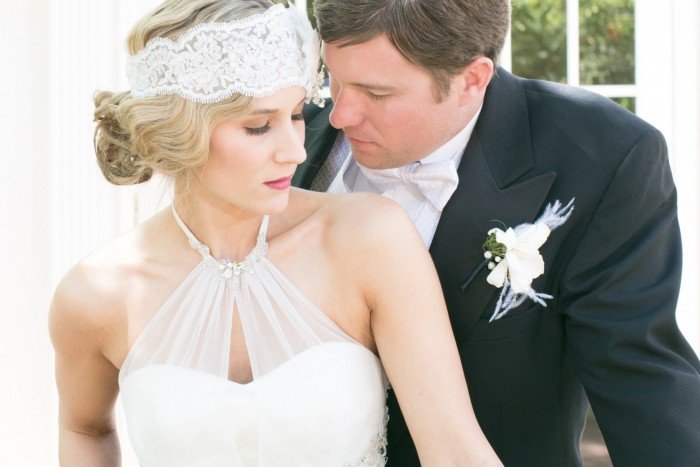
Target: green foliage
<point>539,39</point>
<point>310,12</point>
<point>630,103</point>
<point>606,40</point>
<point>492,245</point>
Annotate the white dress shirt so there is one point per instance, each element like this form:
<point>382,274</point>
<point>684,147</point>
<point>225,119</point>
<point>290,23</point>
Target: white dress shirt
<point>352,178</point>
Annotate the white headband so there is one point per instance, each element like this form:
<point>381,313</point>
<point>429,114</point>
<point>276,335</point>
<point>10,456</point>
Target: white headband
<point>255,56</point>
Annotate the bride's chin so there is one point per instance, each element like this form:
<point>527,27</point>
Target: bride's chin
<point>275,205</point>
<point>262,202</point>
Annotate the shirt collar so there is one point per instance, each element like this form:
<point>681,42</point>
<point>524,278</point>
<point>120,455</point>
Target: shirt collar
<point>452,149</point>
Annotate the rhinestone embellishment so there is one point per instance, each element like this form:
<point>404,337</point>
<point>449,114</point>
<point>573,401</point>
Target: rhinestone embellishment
<point>229,269</point>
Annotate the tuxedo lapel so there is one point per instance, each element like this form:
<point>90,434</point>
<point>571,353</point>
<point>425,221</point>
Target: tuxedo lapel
<point>320,136</point>
<point>498,182</point>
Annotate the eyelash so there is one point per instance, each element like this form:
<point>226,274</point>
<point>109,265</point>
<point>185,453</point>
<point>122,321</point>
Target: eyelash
<point>265,128</point>
<point>259,130</point>
<point>379,97</point>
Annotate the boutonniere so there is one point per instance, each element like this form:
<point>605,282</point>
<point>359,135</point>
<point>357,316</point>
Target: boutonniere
<point>515,261</point>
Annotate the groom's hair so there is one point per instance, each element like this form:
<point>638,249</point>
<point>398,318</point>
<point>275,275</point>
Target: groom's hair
<point>440,36</point>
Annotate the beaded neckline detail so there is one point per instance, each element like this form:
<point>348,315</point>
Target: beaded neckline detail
<point>228,269</point>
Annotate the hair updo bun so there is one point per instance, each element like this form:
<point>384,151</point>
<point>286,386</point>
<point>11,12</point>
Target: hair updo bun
<point>113,143</point>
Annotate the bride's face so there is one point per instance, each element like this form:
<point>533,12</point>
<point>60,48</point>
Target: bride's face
<point>252,159</point>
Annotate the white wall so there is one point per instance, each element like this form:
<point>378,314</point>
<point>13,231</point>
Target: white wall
<point>25,363</point>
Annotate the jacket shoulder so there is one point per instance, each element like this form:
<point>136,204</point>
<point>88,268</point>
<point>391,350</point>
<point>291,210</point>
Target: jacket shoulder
<point>586,110</point>
<point>577,118</point>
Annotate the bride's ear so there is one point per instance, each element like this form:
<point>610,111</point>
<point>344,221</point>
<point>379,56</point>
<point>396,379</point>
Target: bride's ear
<point>473,80</point>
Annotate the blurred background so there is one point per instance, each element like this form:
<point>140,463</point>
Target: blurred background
<point>643,54</point>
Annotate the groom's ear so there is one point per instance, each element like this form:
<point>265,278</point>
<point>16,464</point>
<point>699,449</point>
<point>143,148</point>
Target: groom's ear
<point>472,81</point>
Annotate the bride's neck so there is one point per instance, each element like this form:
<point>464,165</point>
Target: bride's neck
<point>229,231</point>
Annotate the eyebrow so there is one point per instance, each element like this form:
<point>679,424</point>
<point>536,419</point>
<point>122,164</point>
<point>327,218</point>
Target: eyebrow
<point>272,111</point>
<point>264,111</point>
<point>375,87</point>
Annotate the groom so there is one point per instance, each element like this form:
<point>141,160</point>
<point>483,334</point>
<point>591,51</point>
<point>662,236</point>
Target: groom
<point>421,115</point>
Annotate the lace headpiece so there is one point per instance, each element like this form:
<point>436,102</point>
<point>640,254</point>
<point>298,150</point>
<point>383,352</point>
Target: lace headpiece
<point>255,56</point>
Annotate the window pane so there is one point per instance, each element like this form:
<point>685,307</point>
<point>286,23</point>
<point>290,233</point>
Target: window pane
<point>607,41</point>
<point>630,103</point>
<point>539,39</point>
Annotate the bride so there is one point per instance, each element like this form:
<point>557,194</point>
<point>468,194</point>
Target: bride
<point>244,324</point>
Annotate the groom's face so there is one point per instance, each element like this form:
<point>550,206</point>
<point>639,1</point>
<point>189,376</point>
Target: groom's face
<point>387,106</point>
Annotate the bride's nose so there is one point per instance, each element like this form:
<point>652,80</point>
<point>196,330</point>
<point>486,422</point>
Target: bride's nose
<point>291,145</point>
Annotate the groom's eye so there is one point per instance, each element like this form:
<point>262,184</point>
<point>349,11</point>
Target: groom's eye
<point>298,117</point>
<point>379,97</point>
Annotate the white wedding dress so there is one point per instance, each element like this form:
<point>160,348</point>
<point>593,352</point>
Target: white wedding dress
<point>318,397</point>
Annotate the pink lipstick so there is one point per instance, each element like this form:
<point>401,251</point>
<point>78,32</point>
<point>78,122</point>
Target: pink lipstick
<point>280,184</point>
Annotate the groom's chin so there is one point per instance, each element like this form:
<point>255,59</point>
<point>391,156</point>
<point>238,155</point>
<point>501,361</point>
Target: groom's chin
<point>372,157</point>
<point>366,156</point>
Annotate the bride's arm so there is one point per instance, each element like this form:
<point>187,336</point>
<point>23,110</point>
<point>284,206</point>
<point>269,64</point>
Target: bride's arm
<point>413,335</point>
<point>86,380</point>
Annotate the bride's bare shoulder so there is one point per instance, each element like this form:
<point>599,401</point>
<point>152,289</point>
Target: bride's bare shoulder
<point>359,219</point>
<point>93,293</point>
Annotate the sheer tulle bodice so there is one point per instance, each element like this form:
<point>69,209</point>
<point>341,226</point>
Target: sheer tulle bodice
<point>317,397</point>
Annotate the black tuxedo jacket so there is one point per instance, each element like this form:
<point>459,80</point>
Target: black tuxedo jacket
<point>614,270</point>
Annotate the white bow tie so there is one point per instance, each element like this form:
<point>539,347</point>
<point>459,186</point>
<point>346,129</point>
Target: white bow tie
<point>437,181</point>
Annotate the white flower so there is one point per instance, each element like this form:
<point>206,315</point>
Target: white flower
<point>522,262</point>
<point>517,259</point>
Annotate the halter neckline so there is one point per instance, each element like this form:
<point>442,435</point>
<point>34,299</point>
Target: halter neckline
<point>228,268</point>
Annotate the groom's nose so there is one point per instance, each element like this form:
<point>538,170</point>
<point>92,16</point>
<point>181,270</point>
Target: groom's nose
<point>347,109</point>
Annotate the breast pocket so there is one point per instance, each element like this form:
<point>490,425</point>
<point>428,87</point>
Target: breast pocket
<point>515,323</point>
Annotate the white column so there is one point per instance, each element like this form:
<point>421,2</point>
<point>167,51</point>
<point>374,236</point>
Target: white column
<point>654,66</point>
<point>25,362</point>
<point>573,57</point>
<point>506,58</point>
<point>683,79</point>
<point>301,5</point>
<point>83,204</point>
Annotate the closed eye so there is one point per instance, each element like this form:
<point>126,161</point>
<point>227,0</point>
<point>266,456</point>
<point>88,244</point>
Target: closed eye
<point>379,97</point>
<point>261,130</point>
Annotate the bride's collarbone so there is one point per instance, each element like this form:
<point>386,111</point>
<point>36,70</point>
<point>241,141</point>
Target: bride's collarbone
<point>307,254</point>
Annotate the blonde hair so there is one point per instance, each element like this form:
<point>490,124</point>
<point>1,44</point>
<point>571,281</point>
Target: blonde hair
<point>167,134</point>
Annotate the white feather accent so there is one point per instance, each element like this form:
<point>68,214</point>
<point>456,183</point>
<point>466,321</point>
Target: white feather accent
<point>523,244</point>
